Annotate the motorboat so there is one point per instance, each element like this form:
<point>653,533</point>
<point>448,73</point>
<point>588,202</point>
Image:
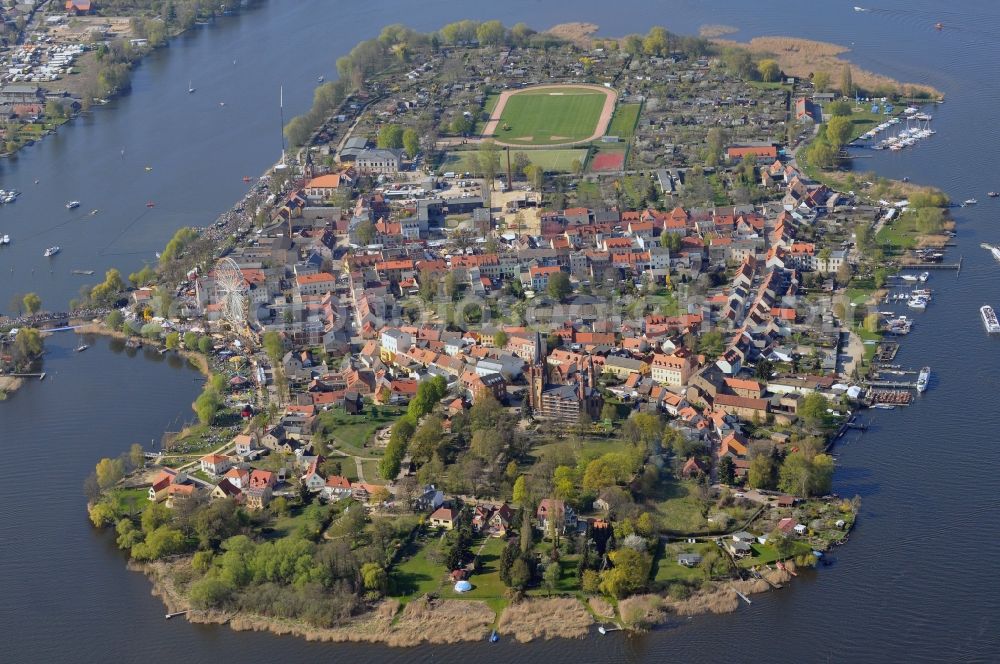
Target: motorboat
<point>923,379</point>
<point>51,251</point>
<point>72,205</point>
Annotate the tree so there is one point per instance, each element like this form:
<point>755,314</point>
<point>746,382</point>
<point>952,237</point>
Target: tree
<point>136,456</point>
<point>491,33</point>
<point>520,490</point>
<point>526,532</point>
<point>411,142</point>
<point>390,136</point>
<point>821,81</point>
<point>461,125</point>
<point>761,473</point>
<point>173,340</point>
<point>656,42</point>
<point>519,162</point>
<point>109,472</point>
<point>632,44</point>
<point>520,574</point>
<point>559,285</point>
<point>838,130</point>
<point>629,574</point>
<point>205,344</point>
<point>535,176</point>
<point>763,369</point>
<point>839,108</point>
<point>489,161</point>
<point>32,303</point>
<point>727,471</point>
<point>716,139</point>
<point>551,575</point>
<point>500,339</point>
<point>365,232</point>
<point>374,577</point>
<point>711,344</point>
<point>564,483</point>
<point>207,404</point>
<point>114,320</point>
<point>769,70</point>
<point>846,81</point>
<point>813,409</point>
<point>27,346</point>
<point>805,475</point>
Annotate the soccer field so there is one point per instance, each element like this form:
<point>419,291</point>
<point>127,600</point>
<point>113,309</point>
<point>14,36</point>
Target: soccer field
<point>550,116</point>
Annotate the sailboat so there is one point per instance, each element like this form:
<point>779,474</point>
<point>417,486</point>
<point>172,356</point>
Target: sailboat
<point>191,87</point>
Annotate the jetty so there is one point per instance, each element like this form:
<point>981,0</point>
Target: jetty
<point>175,614</point>
<point>39,376</point>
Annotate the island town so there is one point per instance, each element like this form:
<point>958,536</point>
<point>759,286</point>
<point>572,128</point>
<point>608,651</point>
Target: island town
<point>526,332</point>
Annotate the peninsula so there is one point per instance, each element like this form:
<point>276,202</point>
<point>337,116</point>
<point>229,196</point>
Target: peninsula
<point>524,334</point>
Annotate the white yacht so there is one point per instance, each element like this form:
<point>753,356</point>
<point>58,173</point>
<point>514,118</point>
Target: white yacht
<point>923,379</point>
<point>989,319</point>
<point>51,251</point>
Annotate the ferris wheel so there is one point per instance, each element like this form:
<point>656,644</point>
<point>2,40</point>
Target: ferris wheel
<point>233,290</point>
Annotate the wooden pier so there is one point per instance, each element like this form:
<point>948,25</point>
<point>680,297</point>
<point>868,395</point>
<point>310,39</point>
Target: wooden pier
<point>891,384</point>
<point>39,376</point>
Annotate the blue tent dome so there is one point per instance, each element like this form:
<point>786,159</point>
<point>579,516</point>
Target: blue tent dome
<point>463,587</point>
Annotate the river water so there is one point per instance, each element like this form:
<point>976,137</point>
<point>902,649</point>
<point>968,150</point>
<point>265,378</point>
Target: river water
<point>917,579</point>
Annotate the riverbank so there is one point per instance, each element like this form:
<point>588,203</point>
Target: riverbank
<point>84,60</point>
<point>803,58</point>
<point>449,621</point>
<point>197,360</point>
<point>9,385</point>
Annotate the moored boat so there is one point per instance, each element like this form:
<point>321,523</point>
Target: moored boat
<point>923,378</point>
<point>990,319</point>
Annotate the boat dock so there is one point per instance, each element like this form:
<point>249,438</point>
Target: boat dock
<point>892,384</point>
<point>889,397</point>
<point>886,352</point>
<point>39,376</point>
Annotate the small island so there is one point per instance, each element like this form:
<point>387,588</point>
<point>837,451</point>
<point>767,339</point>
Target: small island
<point>529,332</point>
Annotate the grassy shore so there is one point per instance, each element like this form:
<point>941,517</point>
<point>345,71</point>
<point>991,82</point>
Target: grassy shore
<point>802,57</point>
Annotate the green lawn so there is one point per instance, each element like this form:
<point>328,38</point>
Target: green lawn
<point>763,554</point>
<point>486,584</point>
<point>666,570</point>
<point>128,500</point>
<point>624,120</point>
<point>416,575</point>
<point>548,117</point>
<point>680,510</point>
<point>351,432</point>
<point>900,234</point>
<point>558,160</point>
